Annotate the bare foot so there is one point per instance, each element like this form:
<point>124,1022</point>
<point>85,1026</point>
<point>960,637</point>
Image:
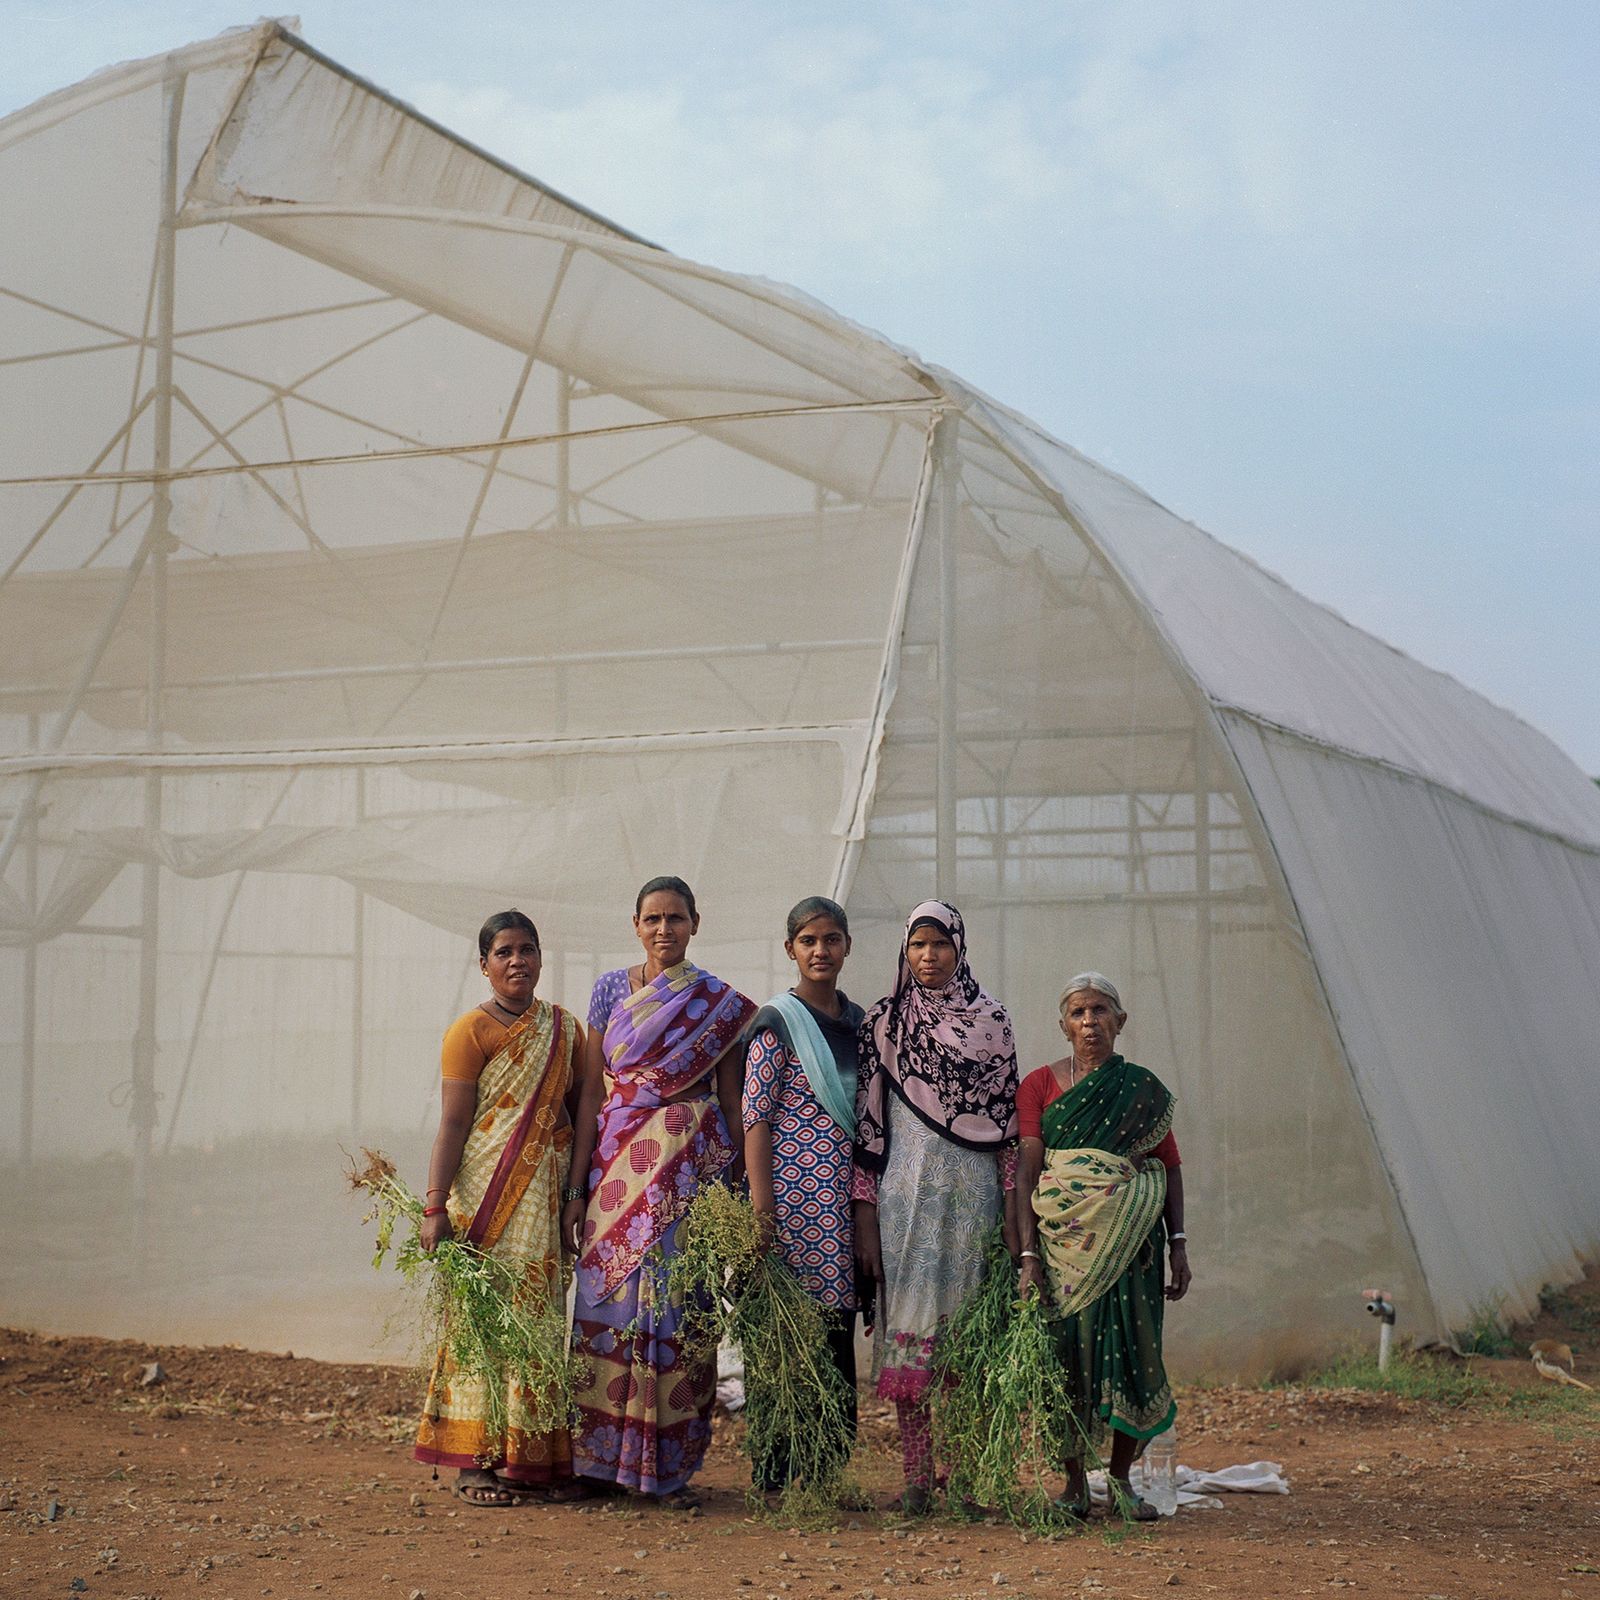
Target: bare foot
<point>482,1488</point>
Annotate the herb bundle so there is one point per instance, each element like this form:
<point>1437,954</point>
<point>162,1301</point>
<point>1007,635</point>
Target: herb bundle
<point>497,1326</point>
<point>1002,1407</point>
<point>797,1407</point>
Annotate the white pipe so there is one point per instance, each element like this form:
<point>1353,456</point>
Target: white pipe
<point>945,854</point>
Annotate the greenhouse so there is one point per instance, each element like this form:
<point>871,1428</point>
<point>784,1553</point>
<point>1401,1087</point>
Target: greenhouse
<point>386,539</point>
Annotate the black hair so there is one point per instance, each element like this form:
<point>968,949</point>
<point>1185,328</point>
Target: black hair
<point>666,886</point>
<point>498,923</point>
<point>812,907</point>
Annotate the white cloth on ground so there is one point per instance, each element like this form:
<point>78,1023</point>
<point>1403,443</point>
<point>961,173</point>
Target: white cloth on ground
<point>1199,1486</point>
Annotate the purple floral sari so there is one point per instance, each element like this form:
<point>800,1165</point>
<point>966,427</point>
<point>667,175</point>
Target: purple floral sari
<point>643,1411</point>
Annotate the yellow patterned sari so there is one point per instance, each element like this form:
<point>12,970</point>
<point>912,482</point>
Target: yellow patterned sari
<point>506,1200</point>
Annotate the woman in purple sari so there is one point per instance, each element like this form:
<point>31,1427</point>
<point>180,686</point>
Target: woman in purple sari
<point>660,1094</point>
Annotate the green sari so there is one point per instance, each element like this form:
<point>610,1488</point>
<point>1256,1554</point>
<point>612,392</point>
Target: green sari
<point>1101,1236</point>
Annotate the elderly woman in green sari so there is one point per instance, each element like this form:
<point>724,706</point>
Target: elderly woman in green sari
<point>1098,1158</point>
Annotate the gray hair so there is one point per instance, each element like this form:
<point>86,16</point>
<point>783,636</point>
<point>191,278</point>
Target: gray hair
<point>1097,983</point>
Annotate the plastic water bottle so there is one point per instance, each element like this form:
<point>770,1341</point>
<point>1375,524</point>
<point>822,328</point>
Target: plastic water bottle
<point>1161,1472</point>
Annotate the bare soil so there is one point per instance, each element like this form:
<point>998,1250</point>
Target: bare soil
<point>242,1474</point>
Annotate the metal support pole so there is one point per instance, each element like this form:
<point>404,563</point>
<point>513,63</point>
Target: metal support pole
<point>563,448</point>
<point>563,502</point>
<point>142,1101</point>
<point>1202,884</point>
<point>1002,853</point>
<point>358,979</point>
<point>30,968</point>
<point>945,792</point>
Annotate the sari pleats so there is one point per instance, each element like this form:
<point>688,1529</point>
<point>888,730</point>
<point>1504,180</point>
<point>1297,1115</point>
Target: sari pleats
<point>644,1413</point>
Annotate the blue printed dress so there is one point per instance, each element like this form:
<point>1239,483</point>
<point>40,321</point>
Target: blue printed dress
<point>811,1171</point>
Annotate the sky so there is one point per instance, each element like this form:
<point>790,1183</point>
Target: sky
<point>1322,277</point>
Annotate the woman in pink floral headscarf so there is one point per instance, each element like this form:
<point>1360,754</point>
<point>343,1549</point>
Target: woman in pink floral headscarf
<point>936,1134</point>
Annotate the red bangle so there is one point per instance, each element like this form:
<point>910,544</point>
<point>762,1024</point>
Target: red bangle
<point>434,1211</point>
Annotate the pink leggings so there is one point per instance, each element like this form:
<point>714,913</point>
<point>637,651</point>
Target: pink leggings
<point>916,1442</point>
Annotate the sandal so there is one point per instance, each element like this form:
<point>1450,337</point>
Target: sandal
<point>485,1491</point>
<point>566,1493</point>
<point>1074,1510</point>
<point>684,1499</point>
<point>1132,1507</point>
<point>917,1501</point>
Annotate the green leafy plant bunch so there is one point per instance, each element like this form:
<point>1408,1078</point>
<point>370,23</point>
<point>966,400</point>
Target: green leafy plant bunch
<point>1003,1419</point>
<point>499,1323</point>
<point>736,1289</point>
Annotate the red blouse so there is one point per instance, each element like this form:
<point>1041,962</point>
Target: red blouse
<point>1040,1087</point>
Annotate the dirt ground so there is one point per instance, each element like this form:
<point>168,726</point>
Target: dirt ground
<point>243,1474</point>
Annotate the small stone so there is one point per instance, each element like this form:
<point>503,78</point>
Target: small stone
<point>52,1511</point>
<point>151,1374</point>
<point>997,1578</point>
<point>641,1555</point>
<point>1173,1580</point>
<point>418,1594</point>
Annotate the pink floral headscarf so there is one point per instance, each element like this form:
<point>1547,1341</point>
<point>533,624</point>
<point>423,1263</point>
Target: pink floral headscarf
<point>948,1053</point>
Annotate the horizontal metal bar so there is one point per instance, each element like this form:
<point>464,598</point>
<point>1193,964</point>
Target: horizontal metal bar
<point>479,447</point>
<point>358,755</point>
<point>289,955</point>
<point>411,669</point>
<point>1176,897</point>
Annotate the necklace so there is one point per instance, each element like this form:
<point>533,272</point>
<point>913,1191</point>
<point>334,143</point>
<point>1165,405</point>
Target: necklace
<point>494,1000</point>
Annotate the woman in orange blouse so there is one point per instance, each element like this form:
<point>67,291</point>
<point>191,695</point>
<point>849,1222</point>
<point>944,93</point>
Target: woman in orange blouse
<point>495,1177</point>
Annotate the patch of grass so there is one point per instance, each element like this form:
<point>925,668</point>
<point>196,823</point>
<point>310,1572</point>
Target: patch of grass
<point>1486,1333</point>
<point>1554,1403</point>
<point>1408,1377</point>
<point>1570,1311</point>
